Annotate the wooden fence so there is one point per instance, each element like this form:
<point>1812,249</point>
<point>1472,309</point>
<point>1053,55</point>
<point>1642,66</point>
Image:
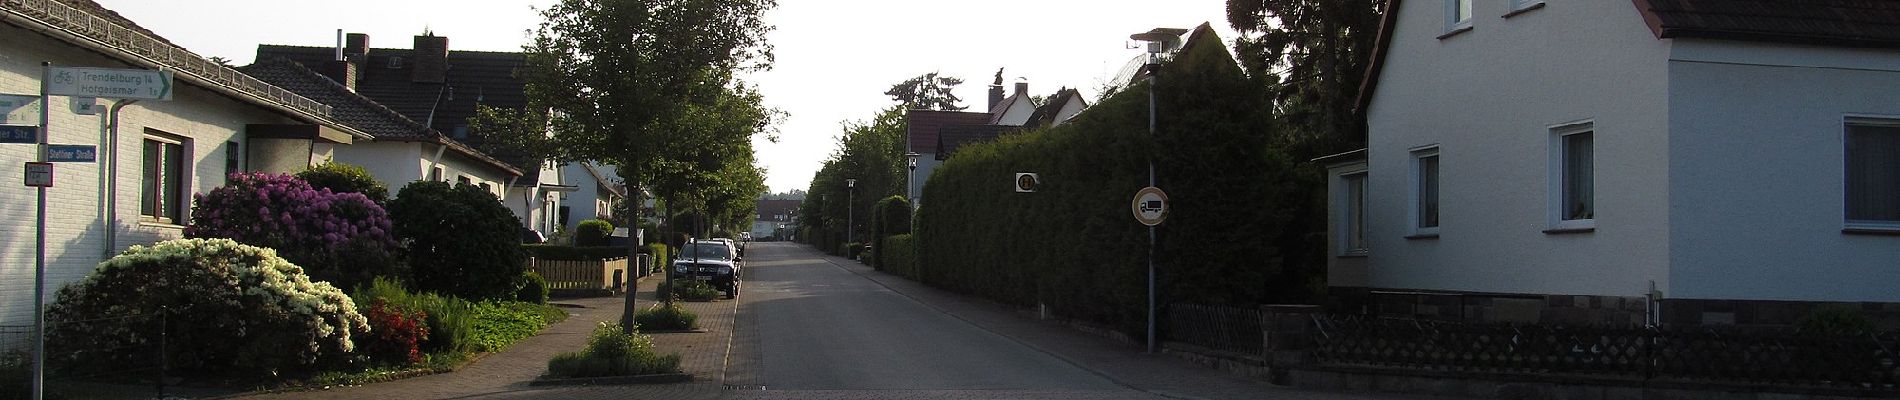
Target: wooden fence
<point>580,275</point>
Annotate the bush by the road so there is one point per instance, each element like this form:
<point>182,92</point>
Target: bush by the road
<point>341,238</point>
<point>899,254</point>
<point>233,309</point>
<point>462,242</point>
<point>593,233</point>
<point>688,290</point>
<point>663,317</point>
<point>534,289</point>
<point>613,352</point>
<point>1073,244</point>
<point>891,216</point>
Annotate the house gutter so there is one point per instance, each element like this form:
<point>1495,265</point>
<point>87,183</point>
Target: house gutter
<point>110,185</point>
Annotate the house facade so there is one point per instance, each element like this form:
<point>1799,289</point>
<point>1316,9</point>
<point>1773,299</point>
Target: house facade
<point>152,155</point>
<point>1624,162</point>
<point>598,187</point>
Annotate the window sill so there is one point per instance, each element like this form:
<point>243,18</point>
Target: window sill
<point>1526,9</point>
<point>159,225</point>
<point>1871,231</point>
<point>1353,254</point>
<point>1421,236</point>
<point>1462,28</point>
<point>1567,231</point>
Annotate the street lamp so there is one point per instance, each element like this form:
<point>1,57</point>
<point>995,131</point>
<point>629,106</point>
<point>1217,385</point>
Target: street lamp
<point>850,213</point>
<point>910,159</point>
<point>1159,40</point>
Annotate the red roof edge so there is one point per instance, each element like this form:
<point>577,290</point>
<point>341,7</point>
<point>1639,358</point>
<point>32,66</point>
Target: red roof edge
<point>1650,18</point>
<point>1371,82</point>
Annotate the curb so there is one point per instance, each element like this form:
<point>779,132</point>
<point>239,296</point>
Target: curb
<point>615,380</point>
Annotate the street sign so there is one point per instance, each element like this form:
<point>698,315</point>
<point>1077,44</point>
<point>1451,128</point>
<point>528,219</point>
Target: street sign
<point>1150,206</point>
<point>39,174</point>
<point>73,153</point>
<point>19,134</point>
<point>1026,182</point>
<point>19,109</point>
<point>109,83</point>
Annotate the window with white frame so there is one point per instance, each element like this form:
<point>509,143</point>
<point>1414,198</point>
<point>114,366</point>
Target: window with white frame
<point>1573,159</point>
<point>1424,210</point>
<point>162,179</point>
<point>1872,180</point>
<point>1457,14</point>
<point>1353,214</point>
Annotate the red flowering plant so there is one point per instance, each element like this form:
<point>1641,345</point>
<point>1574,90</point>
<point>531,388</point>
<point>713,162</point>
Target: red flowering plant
<point>396,334</point>
<point>341,238</point>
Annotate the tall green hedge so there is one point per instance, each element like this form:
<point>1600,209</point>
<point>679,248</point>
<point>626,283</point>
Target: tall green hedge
<point>1075,245</point>
<point>593,233</point>
<point>899,255</point>
<point>890,216</point>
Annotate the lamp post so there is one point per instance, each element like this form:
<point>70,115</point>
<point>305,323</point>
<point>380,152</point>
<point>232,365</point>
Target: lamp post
<point>1158,40</point>
<point>910,159</point>
<point>850,211</point>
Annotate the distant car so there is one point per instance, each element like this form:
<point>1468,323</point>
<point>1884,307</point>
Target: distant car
<point>714,262</point>
<point>736,246</point>
<point>745,236</point>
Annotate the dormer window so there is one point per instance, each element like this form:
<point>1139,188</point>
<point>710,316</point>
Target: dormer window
<point>395,62</point>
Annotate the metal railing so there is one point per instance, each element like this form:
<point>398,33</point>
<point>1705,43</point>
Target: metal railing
<point>1228,329</point>
<point>84,23</point>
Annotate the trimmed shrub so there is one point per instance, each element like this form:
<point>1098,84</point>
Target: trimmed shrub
<point>341,238</point>
<point>462,242</point>
<point>233,309</point>
<point>593,233</point>
<point>346,178</point>
<point>899,253</point>
<point>1833,320</point>
<point>613,352</point>
<point>890,216</point>
<point>666,318</point>
<point>557,252</point>
<point>534,289</point>
<point>396,334</point>
<point>689,290</point>
<point>662,256</point>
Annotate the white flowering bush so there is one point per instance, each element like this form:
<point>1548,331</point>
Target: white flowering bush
<point>232,309</point>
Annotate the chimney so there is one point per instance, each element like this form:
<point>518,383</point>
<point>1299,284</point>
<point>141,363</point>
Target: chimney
<point>996,95</point>
<point>431,60</point>
<point>343,68</point>
<point>356,46</point>
<point>1022,87</point>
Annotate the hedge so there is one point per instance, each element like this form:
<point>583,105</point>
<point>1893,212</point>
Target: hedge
<point>899,255</point>
<point>558,252</point>
<point>1074,245</point>
<point>890,216</point>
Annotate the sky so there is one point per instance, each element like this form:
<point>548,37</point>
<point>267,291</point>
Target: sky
<point>835,58</point>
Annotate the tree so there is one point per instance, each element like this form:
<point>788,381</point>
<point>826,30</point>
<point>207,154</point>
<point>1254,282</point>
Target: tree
<point>1313,56</point>
<point>927,92</point>
<point>872,152</point>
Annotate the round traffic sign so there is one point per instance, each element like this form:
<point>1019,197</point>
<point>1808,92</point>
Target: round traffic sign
<point>1150,206</point>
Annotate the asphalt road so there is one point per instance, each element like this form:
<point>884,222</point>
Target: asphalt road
<point>807,325</point>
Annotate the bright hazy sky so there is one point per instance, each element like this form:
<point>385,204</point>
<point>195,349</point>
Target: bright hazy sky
<point>835,57</point>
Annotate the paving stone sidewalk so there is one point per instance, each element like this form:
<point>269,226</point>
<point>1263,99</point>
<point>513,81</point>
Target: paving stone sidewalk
<point>506,374</point>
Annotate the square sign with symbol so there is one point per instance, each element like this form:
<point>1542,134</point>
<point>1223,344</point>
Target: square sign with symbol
<point>39,174</point>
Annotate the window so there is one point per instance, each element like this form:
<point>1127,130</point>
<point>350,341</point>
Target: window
<point>1353,215</point>
<point>563,215</point>
<point>231,157</point>
<point>1873,174</point>
<point>395,62</point>
<point>1457,15</point>
<point>1573,206</point>
<point>460,132</point>
<point>1524,5</point>
<point>161,191</point>
<point>463,180</point>
<point>435,174</point>
<point>1425,192</point>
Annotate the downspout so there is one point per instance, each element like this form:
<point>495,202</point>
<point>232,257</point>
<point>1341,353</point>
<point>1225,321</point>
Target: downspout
<point>110,185</point>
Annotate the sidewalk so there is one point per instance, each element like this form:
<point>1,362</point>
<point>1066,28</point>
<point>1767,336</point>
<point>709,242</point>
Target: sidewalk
<point>1122,363</point>
<point>506,374</point>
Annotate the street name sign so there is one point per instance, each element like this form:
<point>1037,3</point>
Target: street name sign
<point>111,83</point>
<point>1150,206</point>
<point>18,109</point>
<point>19,134</point>
<point>39,174</point>
<point>73,153</point>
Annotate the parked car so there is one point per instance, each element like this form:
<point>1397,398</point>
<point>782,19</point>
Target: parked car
<point>737,246</point>
<point>714,262</point>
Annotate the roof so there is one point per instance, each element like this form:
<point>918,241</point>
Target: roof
<point>1847,23</point>
<point>612,187</point>
<point>1346,157</point>
<point>473,77</point>
<point>1047,113</point>
<point>953,136</point>
<point>924,124</point>
<point>787,208</point>
<point>382,123</point>
<point>1837,23</point>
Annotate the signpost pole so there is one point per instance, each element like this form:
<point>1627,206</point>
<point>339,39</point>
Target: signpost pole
<point>39,249</point>
<point>1153,75</point>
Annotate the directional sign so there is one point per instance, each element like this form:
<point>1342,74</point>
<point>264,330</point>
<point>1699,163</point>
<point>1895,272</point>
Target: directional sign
<point>19,109</point>
<point>109,83</point>
<point>39,174</point>
<point>1151,206</point>
<point>79,153</point>
<point>1026,182</point>
<point>19,134</point>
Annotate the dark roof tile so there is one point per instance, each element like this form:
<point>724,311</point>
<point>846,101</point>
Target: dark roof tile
<point>924,124</point>
<point>952,137</point>
<point>1851,23</point>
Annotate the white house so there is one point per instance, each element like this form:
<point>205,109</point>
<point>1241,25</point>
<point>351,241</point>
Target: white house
<point>598,187</point>
<point>1736,161</point>
<point>153,155</point>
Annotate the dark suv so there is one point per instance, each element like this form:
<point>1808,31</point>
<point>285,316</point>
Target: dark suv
<point>715,263</point>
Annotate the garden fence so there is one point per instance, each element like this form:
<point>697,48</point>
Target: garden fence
<point>1228,329</point>
<point>1707,354</point>
<point>138,369</point>
<point>581,274</point>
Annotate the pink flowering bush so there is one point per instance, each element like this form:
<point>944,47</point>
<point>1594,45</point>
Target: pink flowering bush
<point>231,310</point>
<point>341,238</point>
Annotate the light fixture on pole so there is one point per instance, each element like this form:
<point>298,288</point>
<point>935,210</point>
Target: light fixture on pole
<point>1159,40</point>
<point>850,213</point>
<point>910,159</point>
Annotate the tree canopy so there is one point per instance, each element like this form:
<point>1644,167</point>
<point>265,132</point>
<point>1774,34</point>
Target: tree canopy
<point>927,92</point>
